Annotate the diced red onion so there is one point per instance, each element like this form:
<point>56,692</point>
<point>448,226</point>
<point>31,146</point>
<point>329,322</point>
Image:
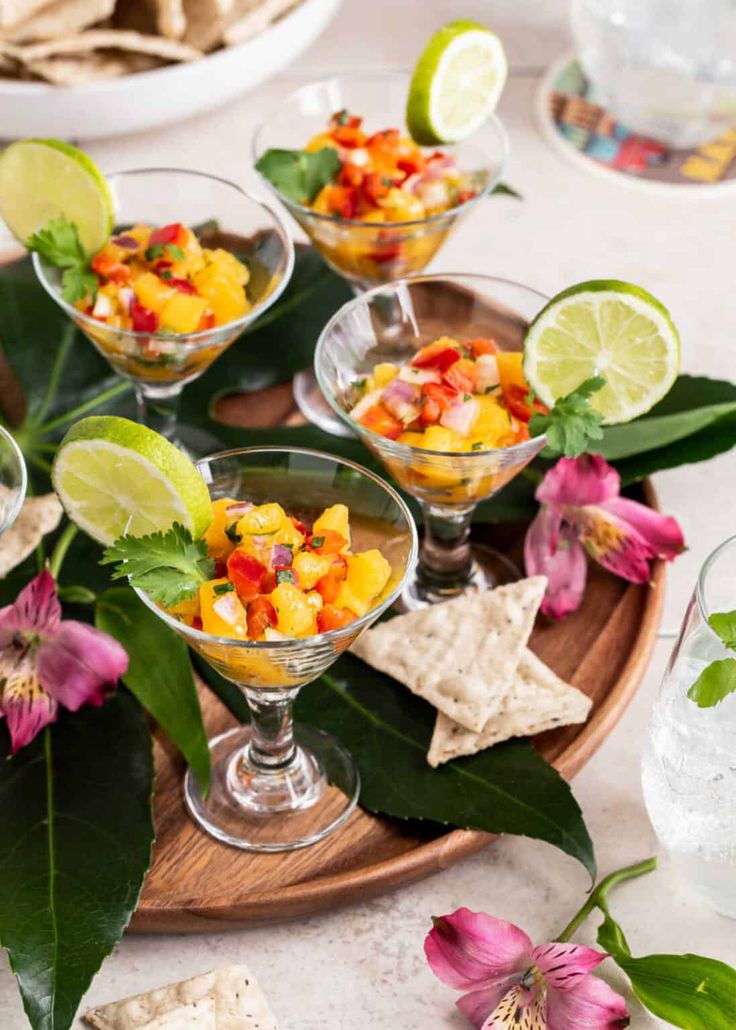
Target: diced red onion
<point>487,368</point>
<point>236,511</point>
<point>409,374</point>
<point>126,296</point>
<point>411,182</point>
<point>433,193</point>
<point>402,400</point>
<point>126,242</point>
<point>281,556</point>
<point>460,416</point>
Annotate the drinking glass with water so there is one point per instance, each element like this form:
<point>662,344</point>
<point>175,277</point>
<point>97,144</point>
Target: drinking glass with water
<point>663,68</point>
<point>689,767</point>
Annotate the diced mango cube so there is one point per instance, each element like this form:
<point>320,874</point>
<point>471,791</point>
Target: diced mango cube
<point>219,544</point>
<point>151,292</point>
<point>491,423</point>
<point>186,610</point>
<point>314,598</point>
<point>221,610</point>
<point>311,567</point>
<point>384,373</point>
<point>295,614</point>
<point>368,574</point>
<point>225,296</point>
<point>183,312</point>
<point>438,438</point>
<point>228,264</point>
<point>337,518</point>
<point>263,520</point>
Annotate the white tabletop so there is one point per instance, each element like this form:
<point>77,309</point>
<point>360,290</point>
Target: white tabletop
<point>364,966</point>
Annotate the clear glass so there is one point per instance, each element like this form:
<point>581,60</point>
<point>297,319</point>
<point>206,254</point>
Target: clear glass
<point>689,765</point>
<point>223,215</point>
<point>277,786</point>
<point>364,253</point>
<point>390,323</point>
<point>663,68</point>
<point>13,480</point>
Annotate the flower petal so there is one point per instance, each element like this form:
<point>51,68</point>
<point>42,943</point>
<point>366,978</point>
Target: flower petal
<point>472,949</point>
<point>564,964</point>
<point>36,610</point>
<point>590,1005</point>
<point>552,550</point>
<point>613,543</point>
<point>661,532</point>
<point>80,664</point>
<point>477,1006</point>
<point>588,479</point>
<point>518,1010</point>
<point>26,705</point>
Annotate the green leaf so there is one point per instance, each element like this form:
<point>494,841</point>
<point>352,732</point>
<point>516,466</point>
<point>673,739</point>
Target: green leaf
<point>159,675</point>
<point>506,789</point>
<point>75,839</point>
<point>504,190</point>
<point>169,566</point>
<point>723,625</point>
<point>688,991</point>
<point>59,245</point>
<point>572,423</point>
<point>651,433</point>
<point>715,682</point>
<point>300,174</point>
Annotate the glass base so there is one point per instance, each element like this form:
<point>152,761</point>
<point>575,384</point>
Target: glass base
<point>314,407</point>
<point>276,810</point>
<point>490,569</point>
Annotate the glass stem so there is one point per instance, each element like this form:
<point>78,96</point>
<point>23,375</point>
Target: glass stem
<point>272,744</point>
<point>445,558</point>
<point>158,407</point>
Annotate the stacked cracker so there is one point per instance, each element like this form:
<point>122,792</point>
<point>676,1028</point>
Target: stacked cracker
<point>468,657</point>
<point>69,42</point>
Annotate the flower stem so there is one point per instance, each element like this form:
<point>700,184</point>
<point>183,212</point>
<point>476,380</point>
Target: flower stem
<point>62,546</point>
<point>597,896</point>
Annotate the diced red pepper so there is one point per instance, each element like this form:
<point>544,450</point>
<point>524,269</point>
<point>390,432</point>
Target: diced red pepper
<point>350,175</point>
<point>481,346</point>
<point>462,375</point>
<point>108,267</point>
<point>514,397</point>
<point>182,285</point>
<point>330,617</point>
<point>144,321</point>
<point>385,253</point>
<point>299,526</point>
<point>344,118</point>
<point>465,195</point>
<point>376,186</point>
<point>436,355</point>
<point>220,569</point>
<point>436,399</point>
<point>260,615</point>
<point>328,541</point>
<point>207,321</point>
<point>174,233</point>
<point>246,574</point>
<point>410,165</point>
<point>350,136</point>
<point>379,420</point>
<point>329,585</point>
<point>196,622</point>
<point>343,201</point>
<point>386,138</point>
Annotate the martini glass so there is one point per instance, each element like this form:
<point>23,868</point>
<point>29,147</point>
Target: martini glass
<point>366,253</point>
<point>275,785</point>
<point>12,480</point>
<point>391,323</point>
<point>161,364</point>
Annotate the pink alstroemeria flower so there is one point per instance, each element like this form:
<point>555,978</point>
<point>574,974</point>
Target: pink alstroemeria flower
<point>511,984</point>
<point>46,662</point>
<point>583,511</point>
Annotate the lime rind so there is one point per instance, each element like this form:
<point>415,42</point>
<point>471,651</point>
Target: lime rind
<point>609,328</point>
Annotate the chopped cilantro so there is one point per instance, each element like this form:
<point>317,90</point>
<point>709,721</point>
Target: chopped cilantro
<point>572,423</point>
<point>317,541</point>
<point>222,588</point>
<point>155,251</point>
<point>285,576</point>
<point>165,274</point>
<point>174,252</point>
<point>231,532</point>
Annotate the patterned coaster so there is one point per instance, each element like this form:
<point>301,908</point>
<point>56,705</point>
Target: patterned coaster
<point>577,125</point>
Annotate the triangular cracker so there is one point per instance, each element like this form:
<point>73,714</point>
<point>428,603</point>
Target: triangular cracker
<point>38,516</point>
<point>459,655</point>
<point>225,999</point>
<point>537,700</point>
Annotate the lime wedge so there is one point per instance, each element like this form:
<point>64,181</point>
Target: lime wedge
<point>114,476</point>
<point>41,179</point>
<point>608,328</point>
<point>456,83</point>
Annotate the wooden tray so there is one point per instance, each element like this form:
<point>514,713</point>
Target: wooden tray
<point>198,884</point>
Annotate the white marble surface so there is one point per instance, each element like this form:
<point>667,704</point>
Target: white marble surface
<point>364,966</point>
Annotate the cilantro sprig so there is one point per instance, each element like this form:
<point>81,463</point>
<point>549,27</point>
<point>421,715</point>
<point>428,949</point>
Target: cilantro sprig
<point>572,423</point>
<point>168,566</point>
<point>300,174</point>
<point>59,245</point>
<point>718,679</point>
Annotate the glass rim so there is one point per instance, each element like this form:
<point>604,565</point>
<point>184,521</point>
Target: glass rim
<point>356,223</point>
<point>404,449</point>
<point>202,337</point>
<point>346,632</point>
<point>700,585</point>
<point>7,436</point>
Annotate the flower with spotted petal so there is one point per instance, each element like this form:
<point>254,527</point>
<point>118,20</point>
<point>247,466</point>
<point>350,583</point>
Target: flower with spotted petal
<point>46,661</point>
<point>512,985</point>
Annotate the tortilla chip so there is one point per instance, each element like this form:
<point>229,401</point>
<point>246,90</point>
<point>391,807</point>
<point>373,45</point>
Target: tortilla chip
<point>102,64</point>
<point>171,20</point>
<point>208,19</point>
<point>225,999</point>
<point>59,19</point>
<point>256,21</point>
<point>537,700</point>
<point>459,655</point>
<point>107,39</point>
<point>13,11</point>
<point>37,517</point>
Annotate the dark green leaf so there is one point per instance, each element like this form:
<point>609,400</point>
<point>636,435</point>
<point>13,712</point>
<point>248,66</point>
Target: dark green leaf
<point>715,682</point>
<point>300,174</point>
<point>651,433</point>
<point>160,673</point>
<point>75,841</point>
<point>688,991</point>
<point>724,625</point>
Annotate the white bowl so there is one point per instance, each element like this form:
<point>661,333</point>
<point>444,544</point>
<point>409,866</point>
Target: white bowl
<point>113,107</point>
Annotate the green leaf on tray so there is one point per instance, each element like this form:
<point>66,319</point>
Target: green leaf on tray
<point>300,174</point>
<point>169,566</point>
<point>687,991</point>
<point>506,789</point>
<point>160,673</point>
<point>75,840</point>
